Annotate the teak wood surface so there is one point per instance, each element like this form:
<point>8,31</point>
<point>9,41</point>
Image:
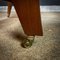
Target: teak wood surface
<point>28,12</point>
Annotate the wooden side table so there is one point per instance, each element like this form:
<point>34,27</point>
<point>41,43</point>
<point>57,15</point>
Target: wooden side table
<point>28,12</point>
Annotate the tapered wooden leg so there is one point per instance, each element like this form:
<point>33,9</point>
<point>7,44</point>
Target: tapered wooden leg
<point>28,12</point>
<point>9,8</point>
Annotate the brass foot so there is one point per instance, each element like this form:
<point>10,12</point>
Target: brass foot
<point>27,43</point>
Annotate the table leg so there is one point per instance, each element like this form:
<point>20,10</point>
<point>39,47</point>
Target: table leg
<point>9,8</point>
<point>28,12</point>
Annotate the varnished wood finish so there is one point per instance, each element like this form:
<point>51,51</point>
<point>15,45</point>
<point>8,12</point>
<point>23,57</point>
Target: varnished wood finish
<point>9,8</point>
<point>28,12</point>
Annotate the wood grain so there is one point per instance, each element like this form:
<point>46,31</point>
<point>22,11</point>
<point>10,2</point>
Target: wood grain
<point>28,12</point>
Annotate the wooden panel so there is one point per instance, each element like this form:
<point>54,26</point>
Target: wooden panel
<point>28,12</point>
